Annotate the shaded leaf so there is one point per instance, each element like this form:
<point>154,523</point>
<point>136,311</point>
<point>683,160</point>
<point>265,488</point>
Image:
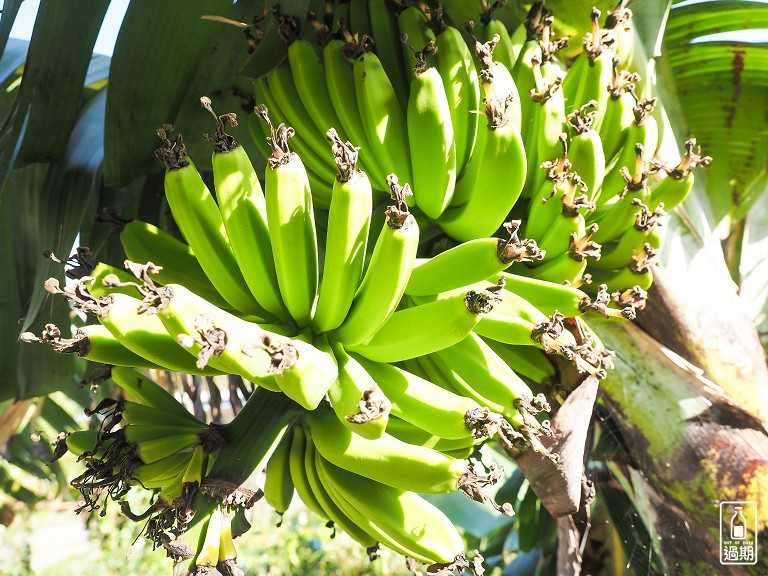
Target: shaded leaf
<point>156,57</point>
<point>51,87</point>
<point>7,18</point>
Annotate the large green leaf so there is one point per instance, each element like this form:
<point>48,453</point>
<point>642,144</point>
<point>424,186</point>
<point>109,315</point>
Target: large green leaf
<point>721,87</point>
<point>48,100</point>
<point>162,51</point>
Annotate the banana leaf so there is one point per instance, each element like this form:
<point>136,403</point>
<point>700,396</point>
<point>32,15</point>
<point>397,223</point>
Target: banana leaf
<point>39,124</point>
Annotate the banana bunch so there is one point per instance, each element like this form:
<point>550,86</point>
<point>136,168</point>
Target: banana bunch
<point>387,345</point>
<point>596,202</point>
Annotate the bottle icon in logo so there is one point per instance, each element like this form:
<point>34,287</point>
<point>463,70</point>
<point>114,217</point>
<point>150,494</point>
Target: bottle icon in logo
<point>738,525</point>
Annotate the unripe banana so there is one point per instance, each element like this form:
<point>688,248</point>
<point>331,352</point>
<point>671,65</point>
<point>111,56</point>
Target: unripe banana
<point>585,151</point>
<point>590,73</point>
<point>400,519</point>
<point>144,390</point>
<point>481,368</point>
<point>443,323</point>
<point>674,189</point>
<point>386,33</point>
<point>244,213</point>
<point>436,410</point>
<point>431,137</point>
<point>197,215</point>
<point>387,276</point>
<point>383,118</point>
<point>326,501</point>
<point>645,230</point>
<point>546,296</point>
<point>346,240</point>
<point>308,380</point>
<point>386,459</point>
<point>340,82</point>
<point>287,101</point>
<point>298,469</point>
<point>93,342</point>
<point>462,89</point>
<point>412,434</point>
<point>356,397</point>
<point>143,242</point>
<point>569,266</point>
<point>470,262</point>
<point>278,485</point>
<point>493,181</point>
<point>495,77</point>
<point>413,25</point>
<point>291,224</point>
<point>619,115</point>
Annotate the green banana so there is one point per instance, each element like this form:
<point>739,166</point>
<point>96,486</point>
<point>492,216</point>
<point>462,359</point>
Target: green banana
<point>482,369</point>
<point>527,361</point>
<point>590,73</point>
<point>291,224</point>
<point>215,337</point>
<point>674,189</point>
<point>470,262</point>
<point>143,242</point>
<point>632,240</point>
<point>359,19</point>
<point>462,89</point>
<point>348,225</point>
<point>308,380</point>
<point>244,213</point>
<point>340,82</point>
<point>144,390</point>
<point>356,397</point>
<point>197,215</point>
<point>430,136</point>
<point>412,434</point>
<point>94,342</point>
<point>569,266</point>
<point>387,275</point>
<point>156,449</point>
<point>382,115</point>
<point>146,336</point>
<point>638,273</point>
<point>278,484</point>
<point>561,195</point>
<point>298,468</point>
<point>443,322</point>
<point>439,373</point>
<point>386,33</point>
<point>287,100</point>
<point>415,33</point>
<point>585,150</point>
<point>308,154</point>
<point>507,48</point>
<point>619,114</point>
<point>326,502</point>
<point>546,296</point>
<point>616,215</point>
<point>386,459</point>
<point>495,77</point>
<point>493,180</point>
<point>543,141</point>
<point>435,410</point>
<point>399,519</point>
<point>643,132</point>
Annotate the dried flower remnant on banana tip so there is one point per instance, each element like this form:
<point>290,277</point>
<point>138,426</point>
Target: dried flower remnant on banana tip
<point>212,338</point>
<point>513,249</point>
